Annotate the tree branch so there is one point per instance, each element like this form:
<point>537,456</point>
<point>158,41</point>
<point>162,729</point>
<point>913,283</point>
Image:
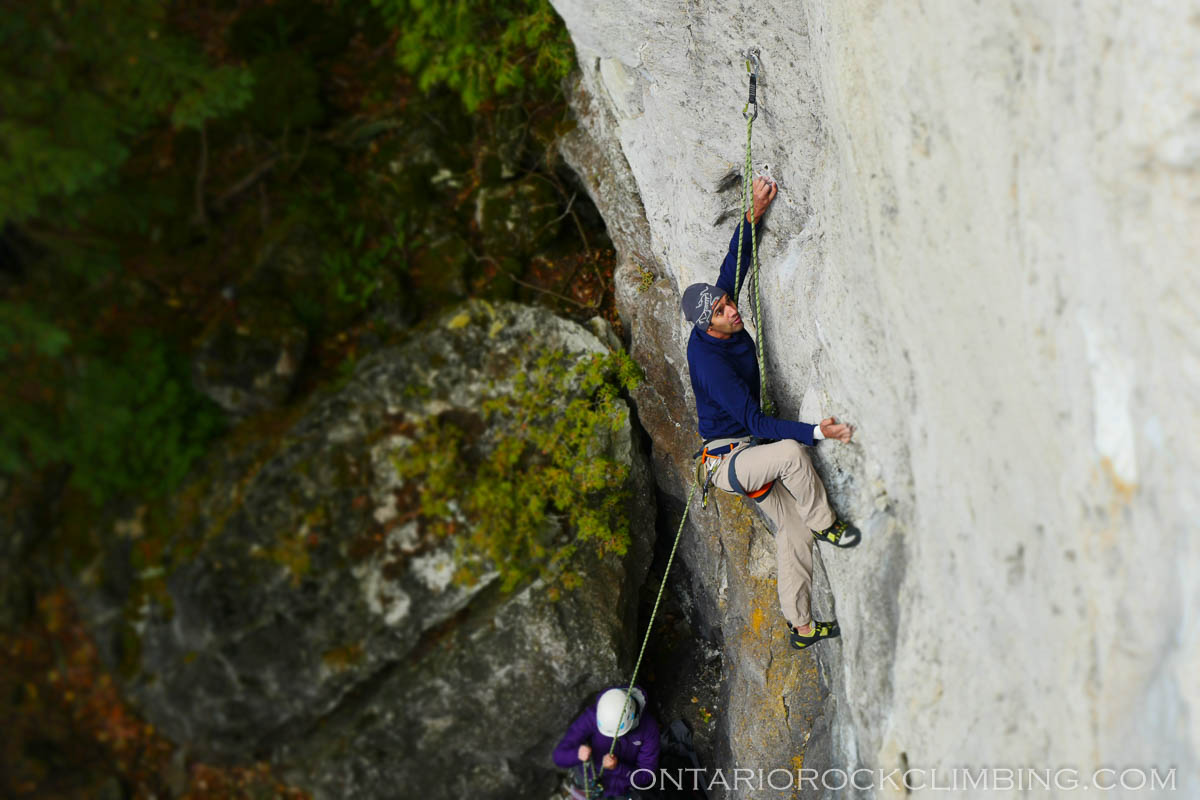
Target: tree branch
<point>200,215</point>
<point>246,182</point>
<point>512,275</point>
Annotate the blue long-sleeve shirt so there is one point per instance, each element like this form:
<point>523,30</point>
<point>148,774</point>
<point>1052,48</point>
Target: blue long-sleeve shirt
<point>725,372</point>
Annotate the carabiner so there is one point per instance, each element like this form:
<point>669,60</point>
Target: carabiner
<point>752,66</point>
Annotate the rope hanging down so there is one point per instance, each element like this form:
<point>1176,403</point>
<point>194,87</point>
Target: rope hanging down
<point>650,625</point>
<point>752,64</point>
<point>751,56</point>
<point>591,782</point>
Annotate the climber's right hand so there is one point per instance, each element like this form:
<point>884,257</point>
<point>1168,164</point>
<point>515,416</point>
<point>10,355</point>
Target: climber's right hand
<point>831,429</point>
<point>585,752</point>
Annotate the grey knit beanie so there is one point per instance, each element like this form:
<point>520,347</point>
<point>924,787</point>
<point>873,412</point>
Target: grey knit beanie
<point>698,301</point>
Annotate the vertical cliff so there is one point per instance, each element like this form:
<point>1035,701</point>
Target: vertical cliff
<point>983,255</point>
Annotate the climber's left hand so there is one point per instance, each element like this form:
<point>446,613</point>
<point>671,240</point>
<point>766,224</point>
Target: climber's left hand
<point>610,761</point>
<point>764,191</point>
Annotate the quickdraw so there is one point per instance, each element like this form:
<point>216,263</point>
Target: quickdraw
<point>752,66</point>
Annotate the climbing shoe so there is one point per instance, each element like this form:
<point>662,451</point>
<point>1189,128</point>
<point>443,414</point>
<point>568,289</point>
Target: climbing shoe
<point>820,630</point>
<point>839,534</point>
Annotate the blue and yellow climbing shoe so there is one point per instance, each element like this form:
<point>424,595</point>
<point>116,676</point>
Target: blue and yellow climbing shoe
<point>839,534</point>
<point>820,630</point>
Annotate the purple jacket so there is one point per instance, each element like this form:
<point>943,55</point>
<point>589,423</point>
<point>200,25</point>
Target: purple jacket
<point>636,750</point>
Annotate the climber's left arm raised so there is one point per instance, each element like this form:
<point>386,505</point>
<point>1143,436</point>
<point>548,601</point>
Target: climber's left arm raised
<point>764,191</point>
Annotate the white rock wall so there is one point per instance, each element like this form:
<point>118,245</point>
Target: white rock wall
<point>984,255</point>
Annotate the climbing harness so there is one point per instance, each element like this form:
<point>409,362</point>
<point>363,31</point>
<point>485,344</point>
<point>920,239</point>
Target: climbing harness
<point>714,454</point>
<point>592,788</point>
<point>752,66</point>
<point>750,112</point>
<point>759,494</point>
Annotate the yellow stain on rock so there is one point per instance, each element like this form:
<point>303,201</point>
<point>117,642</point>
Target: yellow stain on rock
<point>1123,489</point>
<point>459,321</point>
<point>1107,532</point>
<point>777,711</point>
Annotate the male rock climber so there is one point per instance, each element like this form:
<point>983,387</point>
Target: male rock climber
<point>747,451</point>
<point>585,744</point>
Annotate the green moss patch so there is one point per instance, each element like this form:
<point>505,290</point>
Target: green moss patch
<point>547,483</point>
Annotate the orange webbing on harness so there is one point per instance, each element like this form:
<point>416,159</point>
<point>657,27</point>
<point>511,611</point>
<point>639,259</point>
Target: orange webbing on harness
<point>757,493</point>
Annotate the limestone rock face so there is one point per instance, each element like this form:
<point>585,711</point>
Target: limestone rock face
<point>983,256</point>
<point>314,622</point>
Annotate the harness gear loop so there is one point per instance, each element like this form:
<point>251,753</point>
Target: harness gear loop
<point>752,56</point>
<point>650,624</point>
<point>704,472</point>
<point>703,476</point>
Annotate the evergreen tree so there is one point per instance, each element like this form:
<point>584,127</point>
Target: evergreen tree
<point>80,81</point>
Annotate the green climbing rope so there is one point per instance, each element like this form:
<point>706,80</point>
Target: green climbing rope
<point>762,375</point>
<point>748,204</point>
<point>591,781</point>
<point>650,625</point>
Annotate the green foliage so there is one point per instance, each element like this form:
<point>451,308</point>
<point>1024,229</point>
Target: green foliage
<point>136,424</point>
<point>24,329</point>
<point>216,93</point>
<point>80,80</point>
<point>302,26</point>
<point>356,267</point>
<point>286,93</point>
<point>124,218</point>
<point>647,279</point>
<point>524,503</point>
<point>130,422</point>
<point>480,49</point>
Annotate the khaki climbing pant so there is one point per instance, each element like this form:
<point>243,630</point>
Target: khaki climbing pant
<point>796,504</point>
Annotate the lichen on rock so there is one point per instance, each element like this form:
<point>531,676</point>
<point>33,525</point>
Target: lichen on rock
<point>309,597</point>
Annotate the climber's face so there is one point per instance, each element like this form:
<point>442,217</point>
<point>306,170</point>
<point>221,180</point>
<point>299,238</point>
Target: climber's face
<point>725,319</point>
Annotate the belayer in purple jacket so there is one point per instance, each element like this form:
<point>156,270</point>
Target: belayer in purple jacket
<point>592,732</point>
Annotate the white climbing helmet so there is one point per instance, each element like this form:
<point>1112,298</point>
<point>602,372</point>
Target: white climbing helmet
<point>609,717</point>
